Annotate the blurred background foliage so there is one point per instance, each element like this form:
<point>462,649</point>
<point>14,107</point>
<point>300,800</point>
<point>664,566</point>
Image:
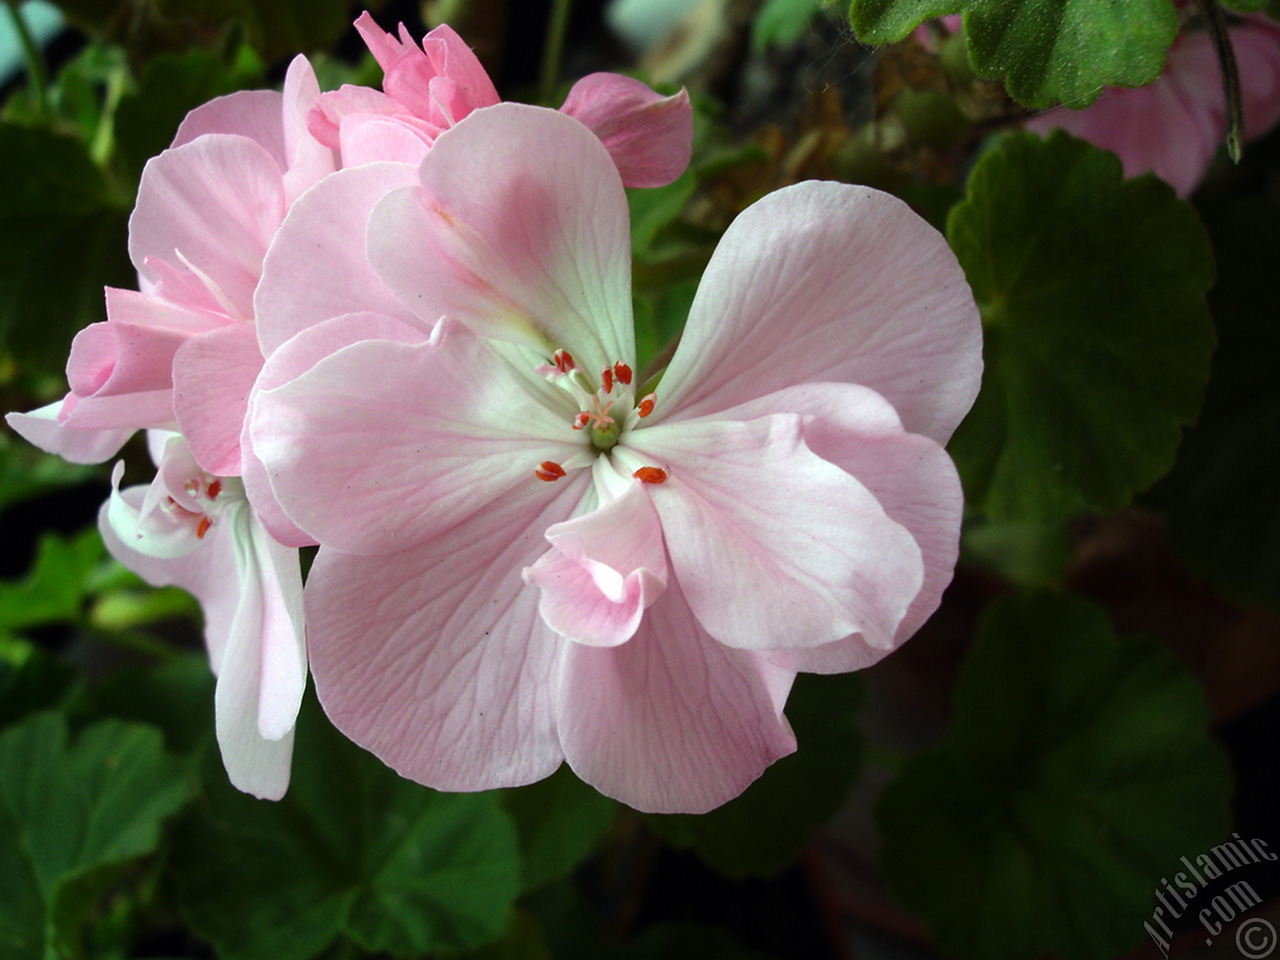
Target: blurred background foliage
<point>1097,698</point>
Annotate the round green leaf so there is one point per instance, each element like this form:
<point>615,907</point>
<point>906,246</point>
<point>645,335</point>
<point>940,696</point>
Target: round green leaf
<point>1047,51</point>
<point>559,821</point>
<point>352,850</point>
<point>1098,339</point>
<point>1077,771</point>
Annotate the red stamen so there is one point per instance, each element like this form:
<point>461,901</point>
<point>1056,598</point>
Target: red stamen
<point>563,360</point>
<point>646,405</point>
<point>606,375</point>
<point>203,528</point>
<point>581,420</point>
<point>651,475</point>
<point>549,471</point>
<point>215,488</point>
<point>622,372</point>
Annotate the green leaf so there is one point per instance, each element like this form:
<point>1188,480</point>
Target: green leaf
<point>761,832</point>
<point>280,28</point>
<point>56,586</point>
<point>1221,501</point>
<point>1270,7</point>
<point>1097,336</point>
<point>68,812</point>
<point>782,22</point>
<point>1078,769</point>
<point>559,821</point>
<point>176,697</point>
<point>62,238</point>
<point>30,679</point>
<point>172,84</point>
<point>1047,51</point>
<point>352,850</point>
<point>26,472</point>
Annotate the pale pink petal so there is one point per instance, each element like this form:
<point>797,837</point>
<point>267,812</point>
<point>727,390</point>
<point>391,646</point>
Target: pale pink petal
<point>603,570</point>
<point>214,203</point>
<point>385,444</point>
<point>297,357</point>
<point>830,282</point>
<point>367,138</point>
<point>248,113</point>
<point>450,58</point>
<point>435,659</point>
<point>42,428</point>
<point>142,526</point>
<point>910,476</point>
<point>331,110</point>
<point>1257,48</point>
<point>536,251</point>
<point>212,377</point>
<point>307,160</point>
<point>649,136</point>
<point>774,546</point>
<point>121,376</point>
<point>316,268</point>
<point>671,721</point>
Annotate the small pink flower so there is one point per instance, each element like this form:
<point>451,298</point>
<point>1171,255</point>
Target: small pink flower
<point>528,556</point>
<point>429,89</point>
<point>1175,125</point>
<point>197,531</point>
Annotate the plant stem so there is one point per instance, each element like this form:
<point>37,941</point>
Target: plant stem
<point>1217,24</point>
<point>37,74</point>
<point>554,49</point>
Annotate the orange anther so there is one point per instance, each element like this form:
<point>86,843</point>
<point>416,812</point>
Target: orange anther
<point>203,528</point>
<point>563,360</point>
<point>606,376</point>
<point>622,372</point>
<point>581,420</point>
<point>651,475</point>
<point>215,488</point>
<point>646,405</point>
<point>549,471</point>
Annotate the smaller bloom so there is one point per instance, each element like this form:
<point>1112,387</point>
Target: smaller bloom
<point>1174,126</point>
<point>429,89</point>
<point>197,531</point>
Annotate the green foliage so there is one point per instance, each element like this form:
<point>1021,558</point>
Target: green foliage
<point>352,851</point>
<point>1097,336</point>
<point>1047,51</point>
<point>1221,498</point>
<point>171,85</point>
<point>559,821</point>
<point>27,472</point>
<point>55,588</point>
<point>69,815</point>
<point>1077,770</point>
<point>1270,7</point>
<point>30,679</point>
<point>62,237</point>
<point>782,22</point>
<point>761,832</point>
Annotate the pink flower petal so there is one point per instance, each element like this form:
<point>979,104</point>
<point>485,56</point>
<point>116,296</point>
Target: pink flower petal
<point>42,428</point>
<point>297,357</point>
<point>307,160</point>
<point>910,476</point>
<point>316,268</point>
<point>649,136</point>
<point>250,590</point>
<point>773,546</point>
<point>831,282</point>
<point>371,139</point>
<point>671,721</point>
<point>247,113</point>
<point>212,377</point>
<point>435,659</point>
<point>603,570</point>
<point>333,109</point>
<point>383,445</point>
<point>216,203</point>
<point>535,252</point>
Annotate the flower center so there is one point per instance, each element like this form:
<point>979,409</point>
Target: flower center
<point>605,413</point>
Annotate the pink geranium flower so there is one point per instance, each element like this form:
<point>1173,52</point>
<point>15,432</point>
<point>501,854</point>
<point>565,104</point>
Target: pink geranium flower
<point>428,89</point>
<point>527,557</point>
<point>1175,125</point>
<point>198,531</point>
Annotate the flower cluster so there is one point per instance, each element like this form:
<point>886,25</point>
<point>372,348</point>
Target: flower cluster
<point>397,324</point>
